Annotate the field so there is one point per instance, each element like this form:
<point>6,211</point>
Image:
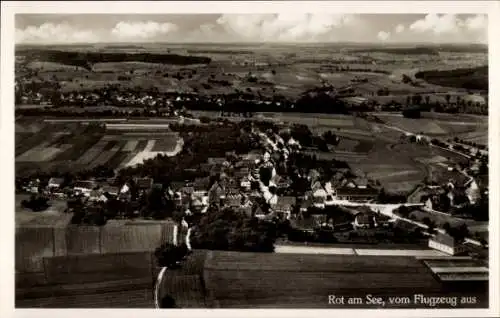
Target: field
<point>265,70</point>
<point>71,145</point>
<point>463,126</point>
<point>250,280</point>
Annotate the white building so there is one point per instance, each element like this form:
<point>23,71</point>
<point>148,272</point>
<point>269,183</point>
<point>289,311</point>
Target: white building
<point>446,243</point>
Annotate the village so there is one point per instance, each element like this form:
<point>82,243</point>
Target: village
<point>313,202</point>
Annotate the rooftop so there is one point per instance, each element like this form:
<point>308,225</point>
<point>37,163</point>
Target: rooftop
<point>357,191</point>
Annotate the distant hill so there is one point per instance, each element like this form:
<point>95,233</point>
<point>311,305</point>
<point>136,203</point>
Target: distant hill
<point>467,78</point>
<point>87,59</point>
<point>426,49</point>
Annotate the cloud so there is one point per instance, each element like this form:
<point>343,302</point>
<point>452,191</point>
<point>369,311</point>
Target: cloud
<point>55,33</point>
<point>478,22</point>
<point>383,36</point>
<point>142,30</point>
<point>283,27</point>
<point>437,24</point>
<point>399,28</point>
<point>452,27</point>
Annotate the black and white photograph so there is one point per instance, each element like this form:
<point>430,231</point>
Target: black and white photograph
<point>275,160</point>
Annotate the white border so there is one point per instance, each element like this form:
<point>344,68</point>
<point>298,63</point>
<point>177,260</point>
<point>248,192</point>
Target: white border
<point>7,226</point>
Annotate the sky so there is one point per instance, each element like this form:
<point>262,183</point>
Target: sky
<point>307,27</point>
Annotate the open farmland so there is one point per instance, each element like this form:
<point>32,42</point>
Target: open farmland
<point>259,280</point>
<point>73,145</point>
<point>434,124</point>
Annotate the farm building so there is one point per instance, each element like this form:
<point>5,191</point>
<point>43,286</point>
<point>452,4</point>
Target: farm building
<point>144,184</point>
<point>84,187</point>
<point>446,243</point>
<point>356,102</point>
<point>55,183</point>
<point>110,190</point>
<point>365,220</point>
<point>357,194</point>
<point>475,99</point>
<point>284,205</point>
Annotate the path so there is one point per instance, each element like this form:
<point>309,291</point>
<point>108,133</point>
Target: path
<point>290,249</point>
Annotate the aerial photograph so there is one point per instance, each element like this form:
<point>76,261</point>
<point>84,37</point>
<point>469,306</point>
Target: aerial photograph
<point>269,160</point>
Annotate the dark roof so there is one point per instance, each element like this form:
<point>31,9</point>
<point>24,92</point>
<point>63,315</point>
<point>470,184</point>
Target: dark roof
<point>110,189</point>
<point>357,191</point>
<point>84,184</point>
<point>216,160</point>
<point>365,218</point>
<point>258,280</point>
<point>176,185</point>
<point>286,201</point>
<point>201,183</point>
<point>308,223</point>
<point>144,183</point>
<point>56,180</point>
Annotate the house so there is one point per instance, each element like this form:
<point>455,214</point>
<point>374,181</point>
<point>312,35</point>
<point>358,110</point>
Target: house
<point>176,185</point>
<point>446,243</point>
<point>257,211</point>
<point>200,198</point>
<point>201,184</point>
<point>245,183</point>
<point>113,191</point>
<point>472,191</point>
<point>283,182</point>
<point>439,202</point>
<point>187,190</point>
<point>313,176</point>
<point>55,183</point>
<point>246,206</point>
<point>356,102</point>
<point>284,205</point>
<point>83,187</point>
<point>216,161</point>
<point>216,193</point>
<point>233,199</point>
<point>330,189</point>
<point>33,186</point>
<point>241,172</point>
<point>357,194</point>
<point>330,199</point>
<point>270,198</point>
<point>144,184</point>
<point>305,205</point>
<point>97,196</point>
<point>360,183</point>
<point>365,220</point>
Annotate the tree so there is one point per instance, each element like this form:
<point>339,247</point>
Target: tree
<point>229,230</point>
<point>265,174</point>
<point>460,232</point>
<point>447,227</point>
<point>167,302</point>
<point>169,255</point>
<point>411,113</point>
<point>36,203</point>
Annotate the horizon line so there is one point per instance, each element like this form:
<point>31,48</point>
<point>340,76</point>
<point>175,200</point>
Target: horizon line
<point>258,43</point>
